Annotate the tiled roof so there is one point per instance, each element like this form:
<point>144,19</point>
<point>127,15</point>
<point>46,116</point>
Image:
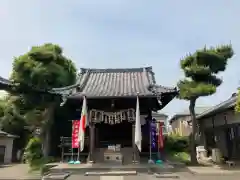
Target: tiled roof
<point>5,81</point>
<point>109,83</point>
<point>4,134</point>
<point>8,85</point>
<point>198,110</point>
<point>229,103</point>
<point>115,83</point>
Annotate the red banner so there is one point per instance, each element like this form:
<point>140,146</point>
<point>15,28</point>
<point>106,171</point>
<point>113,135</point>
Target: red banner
<point>160,136</point>
<point>75,131</point>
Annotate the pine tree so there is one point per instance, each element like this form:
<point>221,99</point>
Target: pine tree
<point>201,69</point>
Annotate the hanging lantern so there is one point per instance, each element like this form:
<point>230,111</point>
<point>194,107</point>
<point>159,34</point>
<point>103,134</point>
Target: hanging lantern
<point>37,131</point>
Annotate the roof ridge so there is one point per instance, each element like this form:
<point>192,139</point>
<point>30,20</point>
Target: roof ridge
<point>115,70</point>
<point>165,87</point>
<point>221,103</point>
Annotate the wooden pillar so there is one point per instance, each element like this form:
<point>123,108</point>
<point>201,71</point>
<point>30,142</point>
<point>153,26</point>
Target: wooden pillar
<point>96,137</point>
<point>92,141</point>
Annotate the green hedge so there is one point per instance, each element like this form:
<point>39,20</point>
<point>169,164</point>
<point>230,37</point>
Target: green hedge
<point>174,143</point>
<point>33,153</point>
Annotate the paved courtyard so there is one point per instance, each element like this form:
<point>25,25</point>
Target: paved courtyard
<point>17,171</point>
<point>173,176</point>
<point>136,177</point>
<point>20,171</point>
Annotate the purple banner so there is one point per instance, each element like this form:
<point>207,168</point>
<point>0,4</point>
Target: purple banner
<point>153,135</point>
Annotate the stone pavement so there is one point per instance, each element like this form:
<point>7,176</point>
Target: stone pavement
<point>179,176</point>
<point>21,172</point>
<point>212,170</point>
<point>17,171</point>
<point>135,177</point>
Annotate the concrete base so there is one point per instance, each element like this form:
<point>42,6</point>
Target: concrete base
<point>56,176</point>
<point>135,162</point>
<point>170,176</point>
<point>150,161</point>
<point>112,173</point>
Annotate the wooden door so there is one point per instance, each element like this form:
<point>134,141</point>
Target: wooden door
<point>2,154</point>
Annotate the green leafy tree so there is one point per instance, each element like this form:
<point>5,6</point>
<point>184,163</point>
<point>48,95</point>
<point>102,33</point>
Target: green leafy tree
<point>201,69</point>
<point>43,67</point>
<point>237,107</point>
<point>12,122</point>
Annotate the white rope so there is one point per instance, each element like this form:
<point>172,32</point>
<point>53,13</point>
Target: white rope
<point>112,117</point>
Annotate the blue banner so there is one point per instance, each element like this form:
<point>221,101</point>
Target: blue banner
<point>153,131</point>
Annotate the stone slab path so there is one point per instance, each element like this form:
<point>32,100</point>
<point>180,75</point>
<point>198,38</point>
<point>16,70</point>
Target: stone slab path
<point>181,176</point>
<point>212,170</point>
<point>17,172</point>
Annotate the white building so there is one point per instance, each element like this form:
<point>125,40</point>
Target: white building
<point>6,147</point>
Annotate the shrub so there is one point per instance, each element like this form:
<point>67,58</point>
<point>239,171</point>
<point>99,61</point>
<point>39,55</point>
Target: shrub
<point>33,152</point>
<point>182,156</point>
<point>174,143</point>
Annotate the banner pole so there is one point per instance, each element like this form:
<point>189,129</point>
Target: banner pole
<point>71,160</point>
<point>78,151</point>
<point>150,161</point>
<point>158,142</point>
<point>72,155</point>
<point>72,146</point>
<point>150,141</point>
<point>78,155</point>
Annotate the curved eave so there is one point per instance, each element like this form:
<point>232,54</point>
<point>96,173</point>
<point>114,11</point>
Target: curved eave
<point>157,93</point>
<point>5,84</point>
<point>164,94</point>
<point>79,96</point>
<point>162,98</point>
<point>14,87</point>
<point>166,98</point>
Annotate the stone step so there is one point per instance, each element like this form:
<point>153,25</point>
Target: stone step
<point>126,152</point>
<point>56,176</point>
<point>111,173</point>
<point>128,155</point>
<point>103,167</point>
<point>166,176</point>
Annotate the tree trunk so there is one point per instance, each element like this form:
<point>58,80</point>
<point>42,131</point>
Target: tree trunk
<point>194,131</point>
<point>48,120</point>
<point>46,143</point>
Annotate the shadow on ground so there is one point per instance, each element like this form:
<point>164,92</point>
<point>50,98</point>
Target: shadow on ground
<point>6,165</point>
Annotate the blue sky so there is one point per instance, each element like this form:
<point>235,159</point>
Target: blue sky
<point>125,33</point>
